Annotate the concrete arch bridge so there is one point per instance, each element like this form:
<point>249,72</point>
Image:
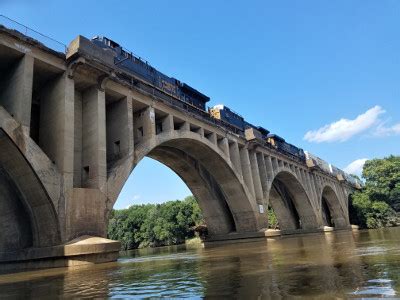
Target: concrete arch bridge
<point>71,132</point>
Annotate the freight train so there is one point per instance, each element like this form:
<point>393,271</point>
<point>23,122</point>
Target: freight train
<point>191,99</point>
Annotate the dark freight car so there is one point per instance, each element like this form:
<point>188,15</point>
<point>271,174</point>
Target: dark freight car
<point>227,115</point>
<point>281,145</point>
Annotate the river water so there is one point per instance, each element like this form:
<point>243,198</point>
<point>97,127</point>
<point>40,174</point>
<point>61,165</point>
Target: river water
<point>341,264</point>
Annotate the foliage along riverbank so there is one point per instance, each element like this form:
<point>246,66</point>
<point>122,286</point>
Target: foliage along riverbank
<point>154,225</point>
<point>377,205</point>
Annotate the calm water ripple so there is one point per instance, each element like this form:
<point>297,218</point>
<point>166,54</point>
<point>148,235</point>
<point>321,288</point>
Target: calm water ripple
<point>363,264</point>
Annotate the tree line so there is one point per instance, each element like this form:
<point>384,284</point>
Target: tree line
<point>154,225</point>
<point>377,204</point>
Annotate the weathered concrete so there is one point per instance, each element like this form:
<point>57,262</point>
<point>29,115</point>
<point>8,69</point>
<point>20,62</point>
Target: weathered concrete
<point>72,131</point>
<point>85,250</point>
<point>16,90</point>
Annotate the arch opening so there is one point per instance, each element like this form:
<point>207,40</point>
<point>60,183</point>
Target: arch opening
<point>222,197</point>
<point>27,215</point>
<point>291,204</point>
<point>211,199</point>
<point>326,213</point>
<point>16,227</point>
<point>291,214</point>
<point>332,213</point>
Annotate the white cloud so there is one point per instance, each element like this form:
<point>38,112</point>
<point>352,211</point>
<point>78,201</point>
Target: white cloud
<point>344,129</point>
<point>134,199</point>
<point>356,166</point>
<point>382,130</point>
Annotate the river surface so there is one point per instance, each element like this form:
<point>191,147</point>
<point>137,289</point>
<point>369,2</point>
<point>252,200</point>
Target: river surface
<point>332,265</point>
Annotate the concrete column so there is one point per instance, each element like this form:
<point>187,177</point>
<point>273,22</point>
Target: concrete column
<point>168,123</point>
<point>317,188</point>
<point>149,122</point>
<point>246,169</point>
<point>311,183</point>
<point>201,131</point>
<point>130,128</point>
<point>275,166</point>
<point>280,163</point>
<point>270,168</point>
<point>94,162</point>
<point>78,140</point>
<point>256,177</point>
<point>144,124</point>
<point>297,171</point>
<point>16,92</point>
<point>235,156</point>
<point>212,138</point>
<point>56,129</point>
<point>304,180</point>
<point>185,126</point>
<point>263,173</point>
<point>119,132</point>
<point>224,146</point>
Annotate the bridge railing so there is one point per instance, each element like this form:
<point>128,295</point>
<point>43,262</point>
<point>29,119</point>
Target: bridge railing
<point>40,37</point>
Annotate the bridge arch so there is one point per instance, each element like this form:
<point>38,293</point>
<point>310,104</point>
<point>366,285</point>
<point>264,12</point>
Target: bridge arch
<point>27,214</point>
<point>291,203</point>
<point>207,171</point>
<point>332,212</point>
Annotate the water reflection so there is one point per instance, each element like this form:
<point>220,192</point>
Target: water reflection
<point>340,264</point>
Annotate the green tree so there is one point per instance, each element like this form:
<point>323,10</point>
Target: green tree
<point>155,225</point>
<point>382,180</point>
<point>272,219</point>
<point>372,214</point>
<point>376,204</point>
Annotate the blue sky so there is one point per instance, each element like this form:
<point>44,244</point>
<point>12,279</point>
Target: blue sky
<point>323,74</point>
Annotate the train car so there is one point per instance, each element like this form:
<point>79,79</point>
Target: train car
<point>335,171</point>
<point>140,68</point>
<point>281,145</point>
<point>253,132</point>
<point>314,161</point>
<point>225,114</point>
<point>352,180</point>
